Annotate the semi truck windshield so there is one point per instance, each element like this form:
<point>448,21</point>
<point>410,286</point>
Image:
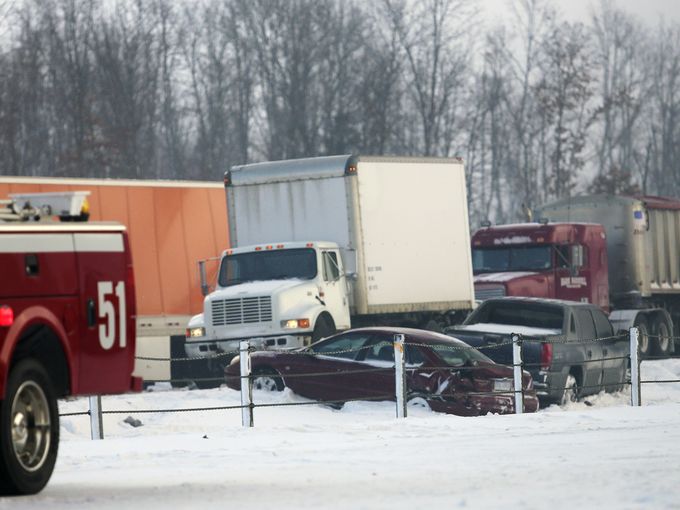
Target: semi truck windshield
<point>514,258</point>
<point>268,265</point>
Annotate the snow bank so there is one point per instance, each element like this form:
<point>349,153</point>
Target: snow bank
<point>604,455</point>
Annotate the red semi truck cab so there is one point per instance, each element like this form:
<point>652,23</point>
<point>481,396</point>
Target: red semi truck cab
<point>67,327</point>
<point>547,260</point>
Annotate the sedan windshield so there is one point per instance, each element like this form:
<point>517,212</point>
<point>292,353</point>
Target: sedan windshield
<point>515,258</point>
<point>456,356</point>
<point>268,265</point>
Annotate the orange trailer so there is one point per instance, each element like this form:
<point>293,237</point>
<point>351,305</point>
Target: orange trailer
<point>172,225</point>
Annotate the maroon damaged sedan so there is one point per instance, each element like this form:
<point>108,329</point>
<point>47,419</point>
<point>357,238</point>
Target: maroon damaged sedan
<point>449,380</point>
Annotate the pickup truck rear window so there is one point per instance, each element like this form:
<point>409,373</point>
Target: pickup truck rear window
<point>519,314</point>
<point>585,321</point>
<point>603,327</point>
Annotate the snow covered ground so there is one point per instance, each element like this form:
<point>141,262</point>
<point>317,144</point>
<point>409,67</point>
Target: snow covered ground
<point>604,455</point>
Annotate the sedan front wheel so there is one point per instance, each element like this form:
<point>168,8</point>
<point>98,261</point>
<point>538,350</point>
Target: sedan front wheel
<point>268,380</point>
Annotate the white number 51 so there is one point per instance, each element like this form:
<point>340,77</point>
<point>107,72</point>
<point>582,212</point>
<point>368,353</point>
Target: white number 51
<point>107,311</point>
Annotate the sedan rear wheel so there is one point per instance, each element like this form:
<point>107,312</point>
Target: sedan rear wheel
<point>268,380</point>
<point>417,403</point>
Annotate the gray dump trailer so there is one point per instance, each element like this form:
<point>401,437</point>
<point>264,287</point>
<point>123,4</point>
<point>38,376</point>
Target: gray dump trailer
<point>643,250</point>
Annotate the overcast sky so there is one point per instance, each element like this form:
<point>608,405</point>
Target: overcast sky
<point>651,11</point>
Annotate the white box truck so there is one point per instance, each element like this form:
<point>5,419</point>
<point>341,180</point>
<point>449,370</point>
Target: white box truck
<point>324,244</point>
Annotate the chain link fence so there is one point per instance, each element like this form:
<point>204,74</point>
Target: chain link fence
<point>399,371</point>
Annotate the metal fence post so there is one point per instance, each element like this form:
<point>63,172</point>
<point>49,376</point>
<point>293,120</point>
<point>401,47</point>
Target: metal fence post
<point>96,422</point>
<point>400,380</point>
<point>634,335</point>
<point>246,384</point>
<point>517,373</point>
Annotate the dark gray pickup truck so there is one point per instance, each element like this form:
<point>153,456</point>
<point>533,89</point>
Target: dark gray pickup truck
<point>559,347</point>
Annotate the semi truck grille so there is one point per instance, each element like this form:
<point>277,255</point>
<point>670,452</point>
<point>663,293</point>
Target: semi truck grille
<point>489,292</point>
<point>241,311</point>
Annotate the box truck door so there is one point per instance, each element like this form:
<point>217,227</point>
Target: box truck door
<point>335,292</point>
<point>104,327</point>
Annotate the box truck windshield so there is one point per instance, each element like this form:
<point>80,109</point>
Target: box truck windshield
<point>516,258</point>
<point>276,264</point>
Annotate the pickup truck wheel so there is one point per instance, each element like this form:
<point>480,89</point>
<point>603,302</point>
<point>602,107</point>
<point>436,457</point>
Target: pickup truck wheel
<point>268,380</point>
<point>29,430</point>
<point>570,391</point>
<point>663,341</point>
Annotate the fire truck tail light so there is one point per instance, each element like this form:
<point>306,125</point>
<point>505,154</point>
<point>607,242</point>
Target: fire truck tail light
<point>6,316</point>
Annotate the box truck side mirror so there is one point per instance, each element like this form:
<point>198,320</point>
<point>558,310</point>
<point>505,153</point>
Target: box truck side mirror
<point>352,276</point>
<point>205,290</point>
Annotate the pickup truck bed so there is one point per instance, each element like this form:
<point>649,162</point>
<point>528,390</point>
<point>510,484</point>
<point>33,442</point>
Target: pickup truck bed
<point>569,348</point>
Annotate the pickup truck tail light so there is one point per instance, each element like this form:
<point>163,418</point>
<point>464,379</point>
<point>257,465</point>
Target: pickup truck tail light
<point>546,356</point>
<point>6,316</point>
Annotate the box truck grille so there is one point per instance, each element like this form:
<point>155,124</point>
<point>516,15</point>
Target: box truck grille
<point>241,311</point>
<point>489,292</point>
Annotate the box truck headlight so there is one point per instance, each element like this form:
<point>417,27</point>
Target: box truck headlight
<point>295,324</point>
<point>195,332</point>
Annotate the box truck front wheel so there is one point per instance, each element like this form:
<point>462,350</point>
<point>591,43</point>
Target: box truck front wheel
<point>29,430</point>
<point>324,327</point>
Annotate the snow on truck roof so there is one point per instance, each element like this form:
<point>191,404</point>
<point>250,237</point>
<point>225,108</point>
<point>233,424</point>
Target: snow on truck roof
<point>85,181</point>
<point>533,225</point>
<point>650,201</point>
<point>313,168</point>
<point>538,300</point>
<point>35,227</point>
<point>287,245</point>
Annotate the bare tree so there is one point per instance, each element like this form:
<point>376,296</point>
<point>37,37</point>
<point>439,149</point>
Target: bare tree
<point>664,110</point>
<point>564,93</point>
<point>619,46</point>
<point>434,38</point>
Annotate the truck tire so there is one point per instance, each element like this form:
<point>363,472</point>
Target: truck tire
<point>663,342</point>
<point>643,337</point>
<point>323,328</point>
<point>29,430</point>
<point>570,393</point>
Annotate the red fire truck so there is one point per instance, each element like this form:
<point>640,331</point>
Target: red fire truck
<point>67,326</point>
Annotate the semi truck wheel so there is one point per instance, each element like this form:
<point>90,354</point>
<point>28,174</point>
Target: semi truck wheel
<point>29,430</point>
<point>643,336</point>
<point>662,345</point>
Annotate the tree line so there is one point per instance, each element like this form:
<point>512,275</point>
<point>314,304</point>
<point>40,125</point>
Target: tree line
<point>537,106</point>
